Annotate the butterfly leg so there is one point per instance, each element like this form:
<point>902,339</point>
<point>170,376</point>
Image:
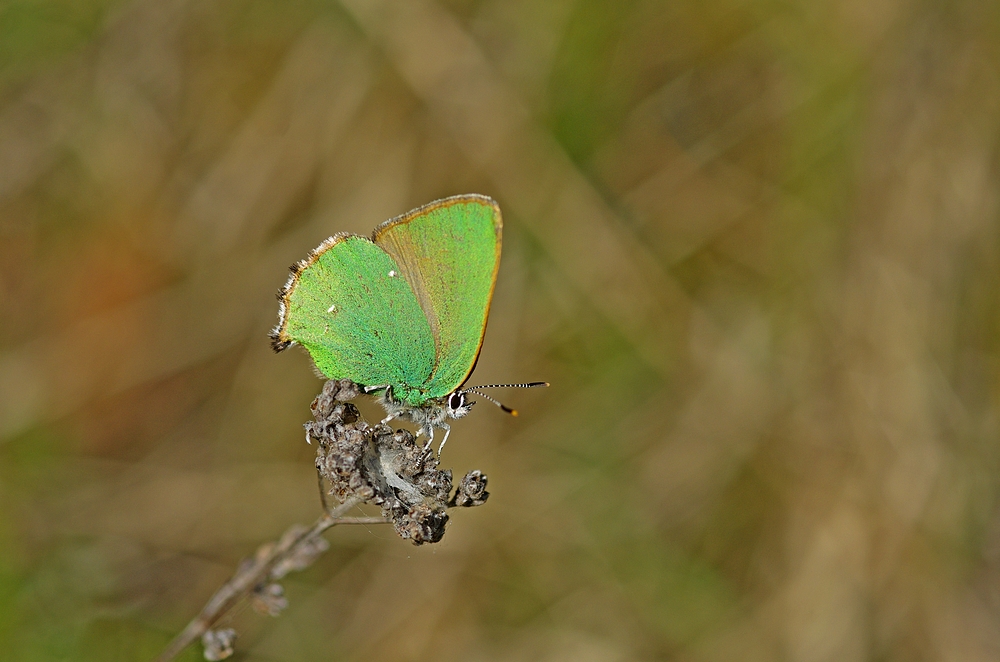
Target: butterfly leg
<point>447,431</point>
<point>430,436</point>
<point>385,421</point>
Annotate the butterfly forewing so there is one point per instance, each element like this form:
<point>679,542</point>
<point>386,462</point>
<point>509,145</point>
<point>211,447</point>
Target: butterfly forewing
<point>449,253</point>
<point>357,317</point>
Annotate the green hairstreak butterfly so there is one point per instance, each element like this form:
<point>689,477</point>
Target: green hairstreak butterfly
<point>402,313</point>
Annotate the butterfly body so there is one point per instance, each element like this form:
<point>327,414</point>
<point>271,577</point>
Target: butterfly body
<point>433,413</point>
<point>403,312</point>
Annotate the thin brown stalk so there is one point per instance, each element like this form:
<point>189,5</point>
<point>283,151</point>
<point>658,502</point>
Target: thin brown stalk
<point>256,571</point>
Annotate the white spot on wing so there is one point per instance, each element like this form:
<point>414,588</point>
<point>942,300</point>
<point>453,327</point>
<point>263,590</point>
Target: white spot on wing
<point>332,308</point>
<point>392,274</point>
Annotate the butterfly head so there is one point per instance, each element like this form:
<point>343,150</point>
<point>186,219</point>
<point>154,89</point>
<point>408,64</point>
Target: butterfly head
<point>458,405</point>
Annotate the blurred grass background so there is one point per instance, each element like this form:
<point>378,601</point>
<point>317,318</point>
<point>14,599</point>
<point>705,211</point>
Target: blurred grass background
<point>753,244</point>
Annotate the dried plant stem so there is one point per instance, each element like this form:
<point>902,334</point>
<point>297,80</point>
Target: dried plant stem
<point>361,464</point>
<point>255,571</point>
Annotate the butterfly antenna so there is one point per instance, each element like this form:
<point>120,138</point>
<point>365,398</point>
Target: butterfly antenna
<point>512,412</point>
<point>524,385</point>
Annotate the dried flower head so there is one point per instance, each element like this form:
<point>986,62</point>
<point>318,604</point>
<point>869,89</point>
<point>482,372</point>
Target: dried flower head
<point>384,467</point>
<point>472,490</point>
<point>218,644</point>
<point>269,599</point>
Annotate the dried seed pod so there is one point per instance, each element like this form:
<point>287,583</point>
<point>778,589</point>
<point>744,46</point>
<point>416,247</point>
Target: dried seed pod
<point>269,599</point>
<point>218,644</point>
<point>472,490</point>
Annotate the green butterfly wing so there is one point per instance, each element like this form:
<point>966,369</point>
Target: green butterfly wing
<point>407,308</point>
<point>358,318</point>
<point>449,253</point>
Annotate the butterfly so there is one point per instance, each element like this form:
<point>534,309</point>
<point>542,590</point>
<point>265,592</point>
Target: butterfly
<point>402,313</point>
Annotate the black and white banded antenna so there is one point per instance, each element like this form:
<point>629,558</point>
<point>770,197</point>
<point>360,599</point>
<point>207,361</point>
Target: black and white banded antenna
<point>512,412</point>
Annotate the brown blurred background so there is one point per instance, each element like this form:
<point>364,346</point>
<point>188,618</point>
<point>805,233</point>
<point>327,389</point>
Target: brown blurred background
<point>753,245</point>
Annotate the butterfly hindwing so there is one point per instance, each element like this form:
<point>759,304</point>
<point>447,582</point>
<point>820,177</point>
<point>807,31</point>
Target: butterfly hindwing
<point>348,305</point>
<point>449,252</point>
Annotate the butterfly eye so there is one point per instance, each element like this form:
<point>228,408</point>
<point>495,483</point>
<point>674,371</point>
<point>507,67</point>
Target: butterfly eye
<point>456,401</point>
